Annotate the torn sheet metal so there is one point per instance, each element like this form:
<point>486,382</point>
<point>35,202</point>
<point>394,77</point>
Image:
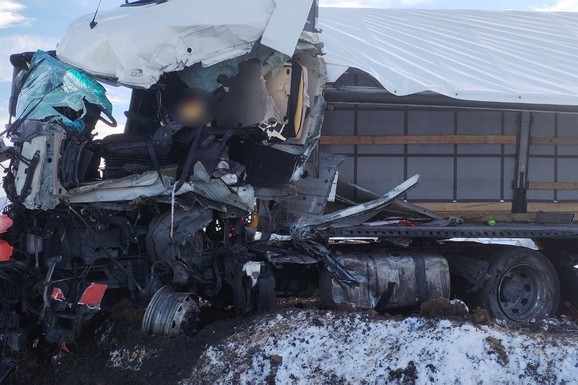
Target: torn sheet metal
<point>137,44</point>
<point>147,184</point>
<point>352,216</point>
<point>306,237</point>
<point>216,190</point>
<point>491,56</point>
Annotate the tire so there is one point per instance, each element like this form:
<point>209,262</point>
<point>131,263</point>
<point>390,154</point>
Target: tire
<point>523,286</point>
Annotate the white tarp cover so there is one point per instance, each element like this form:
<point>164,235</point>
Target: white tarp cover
<point>137,44</point>
<point>500,56</point>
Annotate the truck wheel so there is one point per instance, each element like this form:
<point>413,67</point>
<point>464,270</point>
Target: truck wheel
<point>169,313</point>
<point>523,286</point>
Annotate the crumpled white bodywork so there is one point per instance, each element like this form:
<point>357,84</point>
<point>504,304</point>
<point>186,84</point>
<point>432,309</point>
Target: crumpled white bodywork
<point>149,184</point>
<point>136,45</point>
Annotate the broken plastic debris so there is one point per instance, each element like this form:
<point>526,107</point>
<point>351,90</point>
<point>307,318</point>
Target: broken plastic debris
<point>274,130</point>
<point>57,294</point>
<point>50,85</point>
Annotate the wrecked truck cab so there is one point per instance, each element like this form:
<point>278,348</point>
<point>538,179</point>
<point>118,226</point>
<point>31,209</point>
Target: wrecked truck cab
<point>267,122</point>
<point>175,200</point>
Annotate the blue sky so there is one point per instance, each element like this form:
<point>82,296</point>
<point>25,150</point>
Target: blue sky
<point>27,25</point>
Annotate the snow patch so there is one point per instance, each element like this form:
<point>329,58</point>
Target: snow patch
<point>306,347</point>
<point>130,359</point>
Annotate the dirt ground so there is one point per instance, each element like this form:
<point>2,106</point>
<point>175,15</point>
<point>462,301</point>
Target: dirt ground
<point>113,350</point>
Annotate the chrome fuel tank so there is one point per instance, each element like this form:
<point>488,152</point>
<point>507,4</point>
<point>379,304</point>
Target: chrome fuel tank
<point>399,278</point>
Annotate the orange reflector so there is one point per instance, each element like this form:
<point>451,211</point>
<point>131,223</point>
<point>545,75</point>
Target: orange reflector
<point>5,251</point>
<point>93,295</point>
<point>5,223</point>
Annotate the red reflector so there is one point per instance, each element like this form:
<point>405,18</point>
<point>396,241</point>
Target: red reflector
<point>57,294</point>
<point>5,223</point>
<point>5,251</point>
<point>93,295</point>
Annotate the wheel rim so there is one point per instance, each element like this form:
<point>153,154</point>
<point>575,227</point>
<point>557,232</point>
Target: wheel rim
<point>521,292</point>
<point>168,311</point>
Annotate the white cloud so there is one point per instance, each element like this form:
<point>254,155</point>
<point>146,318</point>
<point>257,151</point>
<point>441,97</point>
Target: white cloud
<point>413,3</point>
<point>103,130</point>
<point>3,115</point>
<point>10,14</point>
<point>15,44</point>
<point>118,95</point>
<point>21,43</point>
<point>561,6</point>
<point>342,4</point>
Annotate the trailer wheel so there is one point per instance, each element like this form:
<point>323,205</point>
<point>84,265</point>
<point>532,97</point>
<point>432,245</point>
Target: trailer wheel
<point>523,286</point>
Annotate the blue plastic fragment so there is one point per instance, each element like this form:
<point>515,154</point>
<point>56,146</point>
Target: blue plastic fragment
<point>50,85</point>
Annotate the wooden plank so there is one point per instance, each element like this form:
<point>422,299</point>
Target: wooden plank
<point>555,217</point>
<point>488,207</point>
<point>484,211</point>
<point>418,139</point>
<point>458,207</point>
<point>551,141</point>
<point>443,139</point>
<point>498,211</point>
<point>553,185</point>
<point>495,206</point>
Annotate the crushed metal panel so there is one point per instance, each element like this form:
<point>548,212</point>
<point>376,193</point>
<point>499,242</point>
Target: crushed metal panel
<point>37,183</point>
<point>137,44</point>
<point>312,192</point>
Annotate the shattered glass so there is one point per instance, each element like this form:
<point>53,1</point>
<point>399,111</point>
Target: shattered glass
<point>50,88</point>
